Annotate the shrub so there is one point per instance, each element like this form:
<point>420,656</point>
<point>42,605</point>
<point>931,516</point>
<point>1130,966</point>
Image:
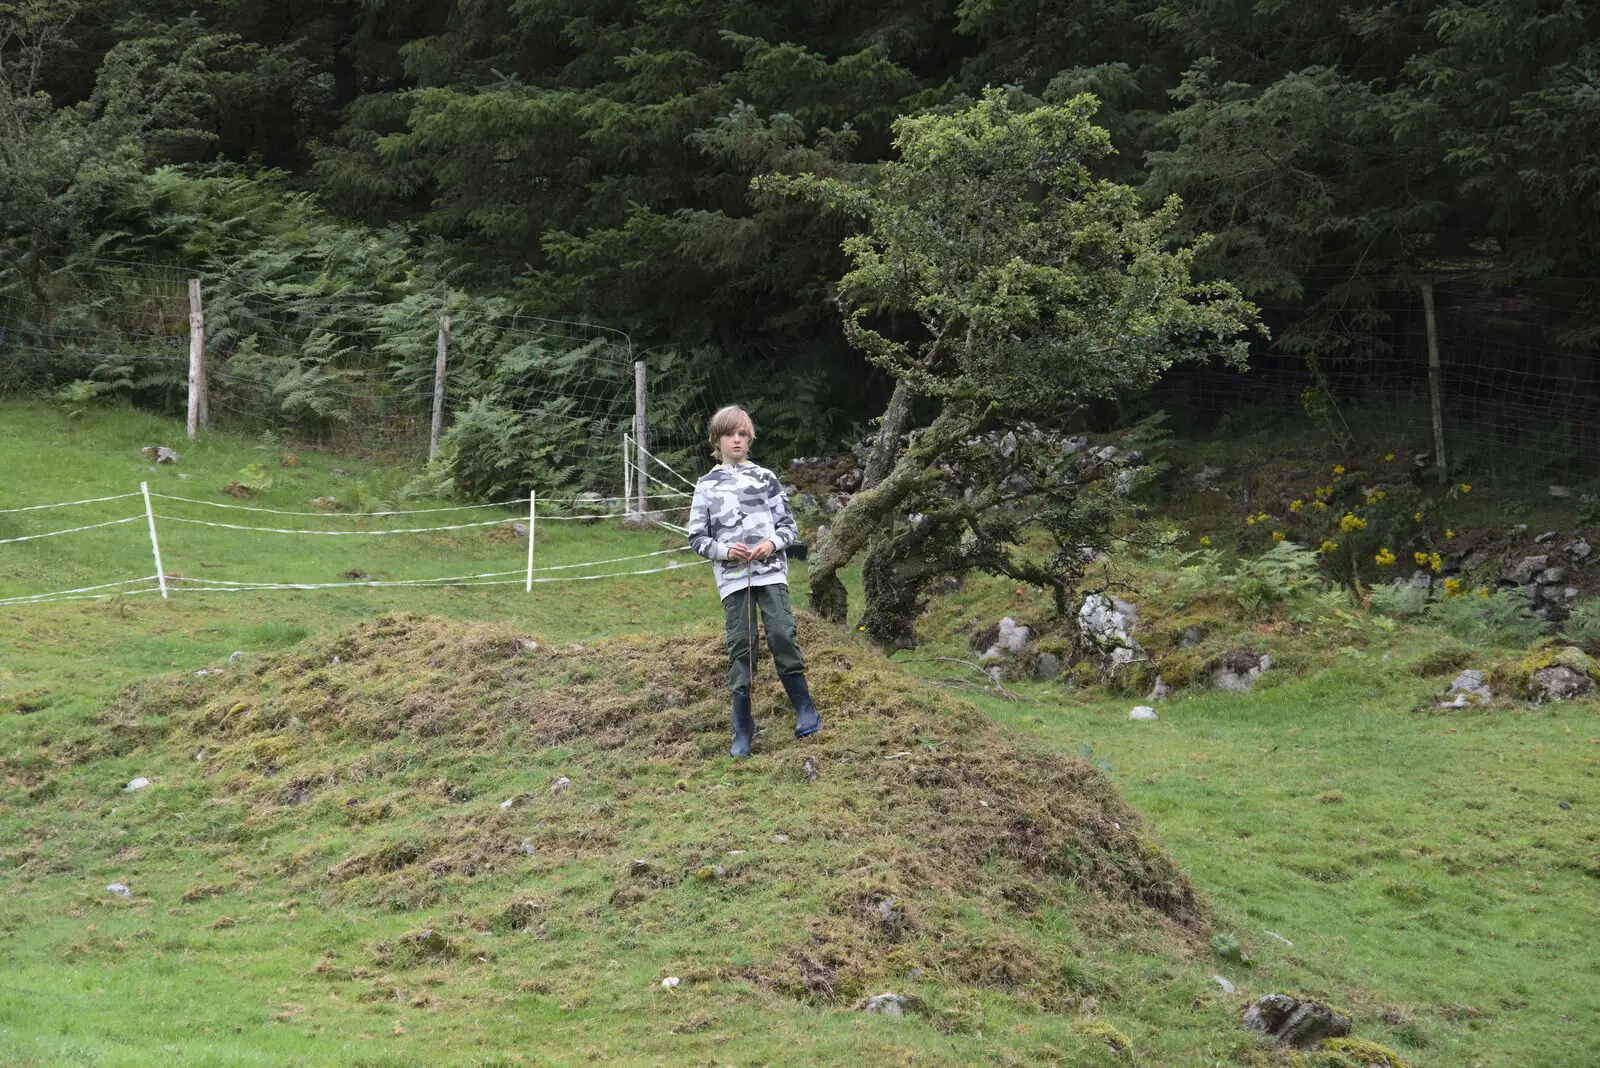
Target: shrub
<point>1583,626</point>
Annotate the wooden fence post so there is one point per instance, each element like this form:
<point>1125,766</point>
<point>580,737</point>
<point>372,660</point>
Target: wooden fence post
<point>438,386</point>
<point>197,359</point>
<point>640,439</point>
<point>1435,376</point>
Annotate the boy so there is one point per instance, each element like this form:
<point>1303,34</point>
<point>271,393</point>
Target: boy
<point>741,521</point>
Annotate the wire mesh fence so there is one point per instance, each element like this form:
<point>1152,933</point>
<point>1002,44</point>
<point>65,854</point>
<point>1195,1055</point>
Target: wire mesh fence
<point>347,370</point>
<point>1518,382</point>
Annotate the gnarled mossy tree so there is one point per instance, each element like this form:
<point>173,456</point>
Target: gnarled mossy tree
<point>1000,283</point>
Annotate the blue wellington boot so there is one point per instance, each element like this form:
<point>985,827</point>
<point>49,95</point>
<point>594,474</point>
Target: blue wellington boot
<point>744,726</point>
<point>806,718</point>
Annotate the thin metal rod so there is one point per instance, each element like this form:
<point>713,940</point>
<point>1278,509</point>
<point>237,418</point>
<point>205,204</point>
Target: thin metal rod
<point>155,546</point>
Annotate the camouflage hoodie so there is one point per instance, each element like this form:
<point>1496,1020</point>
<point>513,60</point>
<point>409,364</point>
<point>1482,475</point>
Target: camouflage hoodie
<point>741,504</point>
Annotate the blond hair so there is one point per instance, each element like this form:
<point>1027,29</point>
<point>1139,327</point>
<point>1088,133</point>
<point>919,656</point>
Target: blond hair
<point>726,421</point>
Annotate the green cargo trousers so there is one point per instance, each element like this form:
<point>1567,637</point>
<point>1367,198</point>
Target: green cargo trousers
<point>739,609</point>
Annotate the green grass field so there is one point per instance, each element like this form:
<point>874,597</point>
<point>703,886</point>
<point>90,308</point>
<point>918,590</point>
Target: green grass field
<point>1435,874</point>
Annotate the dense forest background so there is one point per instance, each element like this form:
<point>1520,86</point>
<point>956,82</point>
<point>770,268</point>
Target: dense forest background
<point>594,161</point>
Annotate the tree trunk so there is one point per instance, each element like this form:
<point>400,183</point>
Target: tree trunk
<point>890,427</point>
<point>853,527</point>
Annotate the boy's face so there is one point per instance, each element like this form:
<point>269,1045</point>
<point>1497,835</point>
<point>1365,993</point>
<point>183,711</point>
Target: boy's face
<point>735,445</point>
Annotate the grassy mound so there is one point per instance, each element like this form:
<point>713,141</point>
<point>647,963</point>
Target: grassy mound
<point>912,834</point>
<point>419,817</point>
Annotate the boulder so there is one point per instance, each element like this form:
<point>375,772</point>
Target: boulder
<point>1562,492</point>
<point>1105,630</point>
<point>1469,689</point>
<point>1144,713</point>
<point>890,1004</point>
<point>1291,1022</point>
<point>1159,692</point>
<point>1547,537</point>
<point>1421,580</point>
<point>1046,666</point>
<point>1239,669</point>
<point>1557,684</point>
<point>160,454</point>
<point>1522,573</point>
<point>1578,549</point>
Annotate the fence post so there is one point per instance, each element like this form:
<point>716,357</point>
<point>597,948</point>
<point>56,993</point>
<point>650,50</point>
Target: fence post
<point>197,359</point>
<point>533,498</point>
<point>640,437</point>
<point>1435,376</point>
<point>438,386</point>
<point>155,546</point>
<point>627,476</point>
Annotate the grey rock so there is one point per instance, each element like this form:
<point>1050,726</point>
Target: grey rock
<point>1008,444</point>
<point>160,454</point>
<point>1552,592</point>
<point>1520,528</point>
<point>1227,987</point>
<point>1569,593</point>
<point>1550,576</point>
<point>807,502</point>
<point>889,910</point>
<point>1292,1022</point>
<point>1578,549</point>
<point>1467,690</point>
<point>1077,443</point>
<point>1159,692</point>
<point>1557,684</point>
<point>527,848</point>
<point>1013,636</point>
<point>235,655</point>
<point>1190,639</point>
<point>1232,681</point>
<point>1107,453</point>
<point>519,529</point>
<point>1420,580</point>
<point>1206,475</point>
<point>1522,573</point>
<point>1107,631</point>
<point>560,785</point>
<point>1047,666</point>
<point>1561,491</point>
<point>119,889</point>
<point>135,785</point>
<point>890,1004</point>
<point>1143,713</point>
<point>1547,537</point>
<point>835,502</point>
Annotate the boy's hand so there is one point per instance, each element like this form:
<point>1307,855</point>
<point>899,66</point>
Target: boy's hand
<point>739,552</point>
<point>762,551</point>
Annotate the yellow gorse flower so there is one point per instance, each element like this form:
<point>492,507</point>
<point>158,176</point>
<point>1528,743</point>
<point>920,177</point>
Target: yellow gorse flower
<point>1351,522</point>
<point>1295,505</point>
<point>1388,457</point>
<point>1384,558</point>
<point>1449,534</point>
<point>1324,492</point>
<point>1417,516</point>
<point>1320,506</point>
<point>1420,557</point>
<point>1277,537</point>
<point>1452,587</point>
<point>1375,496</point>
<point>1465,488</point>
<point>1338,469</point>
<point>1205,542</point>
<point>1436,562</point>
<point>1328,547</point>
